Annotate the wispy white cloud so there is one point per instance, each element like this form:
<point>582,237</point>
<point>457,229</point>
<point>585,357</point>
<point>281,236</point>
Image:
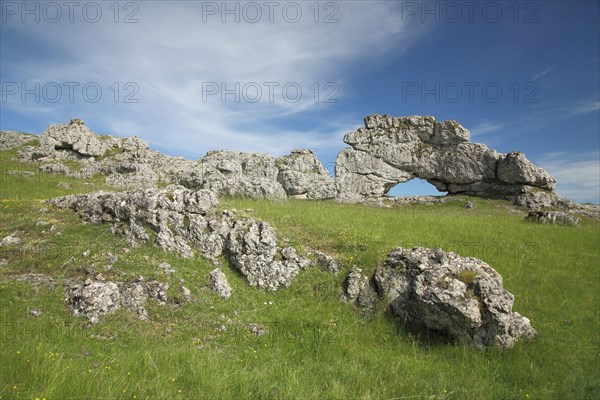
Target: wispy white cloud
<point>485,127</point>
<point>542,73</point>
<point>577,175</point>
<point>585,108</point>
<point>172,57</point>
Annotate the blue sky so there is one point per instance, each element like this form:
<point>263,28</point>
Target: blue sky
<point>194,76</point>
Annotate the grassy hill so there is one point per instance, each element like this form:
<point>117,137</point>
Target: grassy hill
<point>316,346</point>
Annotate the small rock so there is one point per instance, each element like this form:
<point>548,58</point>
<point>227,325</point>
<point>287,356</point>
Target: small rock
<point>187,295</point>
<point>35,313</point>
<point>42,223</point>
<point>327,263</point>
<point>53,229</point>
<point>112,258</point>
<point>20,173</point>
<point>43,210</point>
<point>219,283</point>
<point>469,205</point>
<point>166,268</point>
<point>10,241</point>
<point>63,185</point>
<point>86,253</point>
<point>256,329</point>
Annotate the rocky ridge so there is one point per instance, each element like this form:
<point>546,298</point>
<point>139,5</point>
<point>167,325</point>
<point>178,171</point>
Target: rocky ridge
<point>187,222</point>
<point>129,163</point>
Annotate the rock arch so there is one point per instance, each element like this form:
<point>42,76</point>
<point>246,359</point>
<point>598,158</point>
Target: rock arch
<point>390,150</point>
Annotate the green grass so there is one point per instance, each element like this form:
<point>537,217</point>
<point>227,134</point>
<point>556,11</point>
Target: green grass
<point>316,347</point>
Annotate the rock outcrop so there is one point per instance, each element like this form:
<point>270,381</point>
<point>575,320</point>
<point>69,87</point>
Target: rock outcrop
<point>552,217</point>
<point>219,283</point>
<point>186,221</point>
<point>461,297</point>
<point>392,150</point>
<point>11,140</point>
<point>129,163</point>
<point>95,297</point>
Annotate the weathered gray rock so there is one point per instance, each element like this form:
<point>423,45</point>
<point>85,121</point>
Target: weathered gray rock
<point>327,263</point>
<point>166,268</point>
<point>55,168</point>
<point>540,199</point>
<point>240,174</point>
<point>10,240</point>
<point>181,220</point>
<point>175,214</point>
<point>358,289</point>
<point>392,150</point>
<point>552,217</point>
<point>219,283</point>
<point>302,176</point>
<point>93,298</point>
<point>72,141</point>
<point>462,297</point>
<point>186,294</point>
<point>252,249</point>
<point>11,140</point>
<point>128,163</point>
<point>256,329</point>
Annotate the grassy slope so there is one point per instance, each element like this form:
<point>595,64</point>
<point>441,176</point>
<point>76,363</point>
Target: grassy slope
<point>316,346</point>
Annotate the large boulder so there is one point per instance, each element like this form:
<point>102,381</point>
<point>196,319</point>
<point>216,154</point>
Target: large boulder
<point>392,150</point>
<point>461,297</point>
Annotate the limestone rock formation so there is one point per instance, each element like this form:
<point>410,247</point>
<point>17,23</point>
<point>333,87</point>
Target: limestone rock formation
<point>94,297</point>
<point>552,217</point>
<point>11,140</point>
<point>327,263</point>
<point>302,176</point>
<point>184,221</point>
<point>174,214</point>
<point>219,283</point>
<point>240,174</point>
<point>462,297</point>
<point>252,249</point>
<point>392,150</point>
<point>358,289</point>
<point>129,163</point>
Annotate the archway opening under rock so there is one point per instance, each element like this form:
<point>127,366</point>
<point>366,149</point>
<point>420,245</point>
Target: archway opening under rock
<point>414,187</point>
